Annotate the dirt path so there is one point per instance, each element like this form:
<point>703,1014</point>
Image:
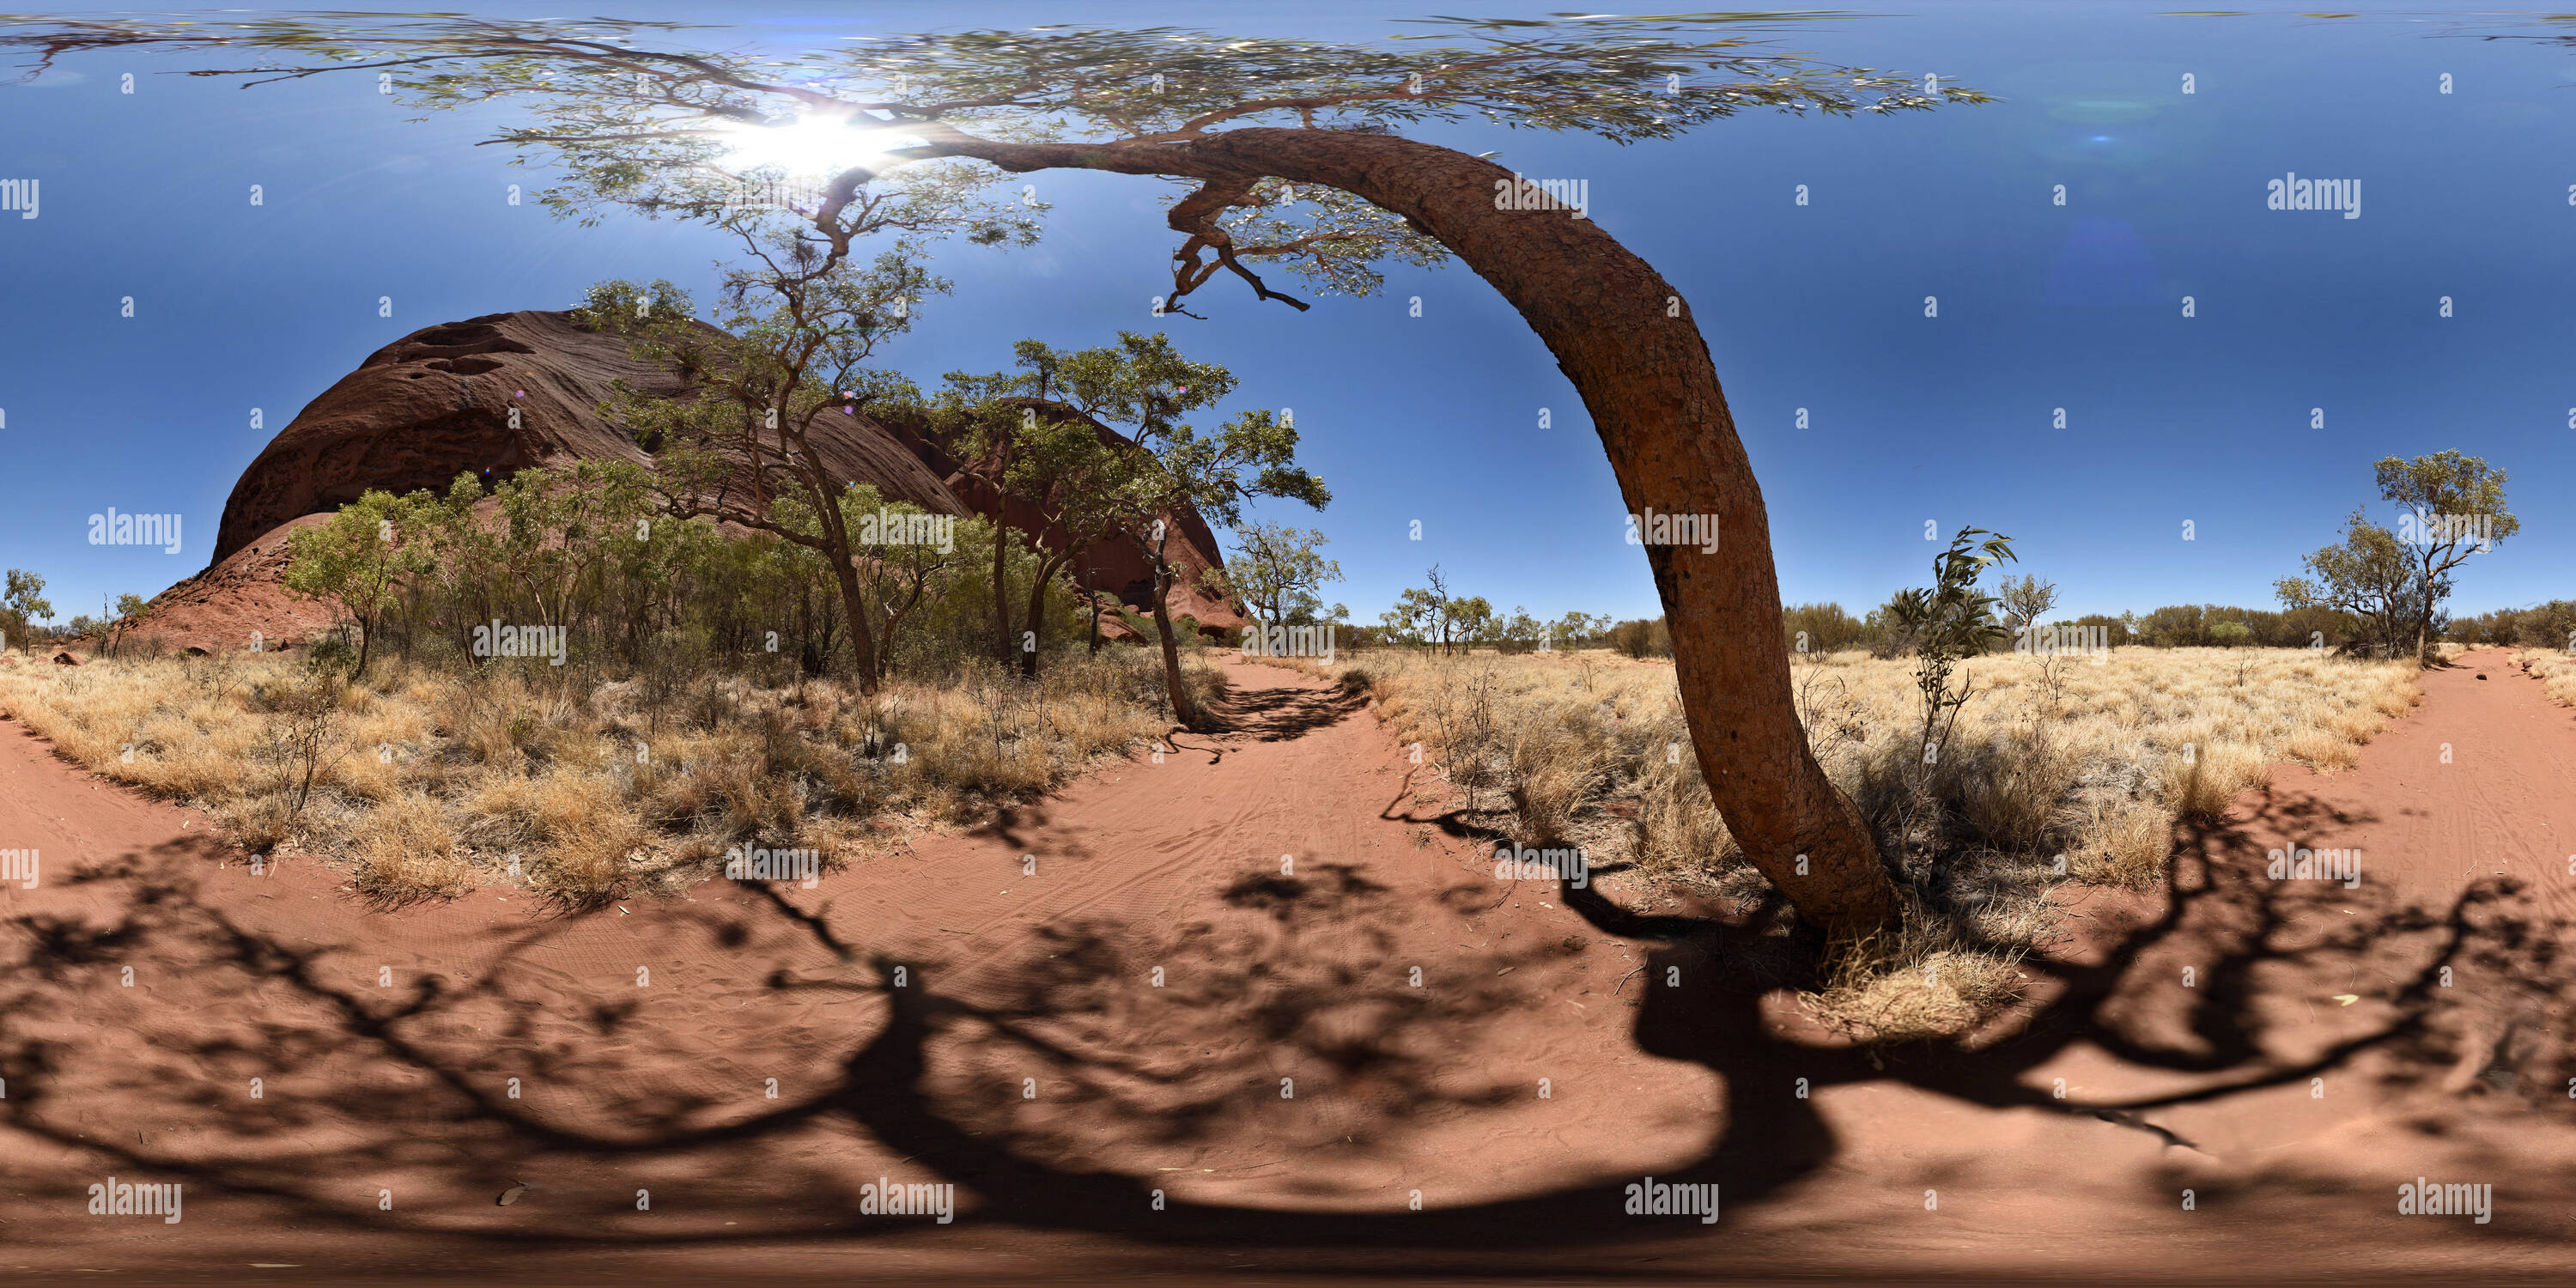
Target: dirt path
<point>1174,1013</point>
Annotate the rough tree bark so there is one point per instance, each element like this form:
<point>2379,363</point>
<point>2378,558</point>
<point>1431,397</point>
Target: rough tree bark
<point>1092,593</point>
<point>1183,711</point>
<point>1037,609</point>
<point>1626,339</point>
<point>863,653</point>
<point>845,578</point>
<point>1001,590</point>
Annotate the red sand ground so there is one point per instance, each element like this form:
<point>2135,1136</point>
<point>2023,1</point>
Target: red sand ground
<point>1026,1054</point>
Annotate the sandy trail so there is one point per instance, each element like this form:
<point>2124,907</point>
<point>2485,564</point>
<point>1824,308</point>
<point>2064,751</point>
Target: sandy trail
<point>1245,1007</point>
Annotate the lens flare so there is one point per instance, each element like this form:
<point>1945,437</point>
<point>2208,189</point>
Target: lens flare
<point>810,146</point>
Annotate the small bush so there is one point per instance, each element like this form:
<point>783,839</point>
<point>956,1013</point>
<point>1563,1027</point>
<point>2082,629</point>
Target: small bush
<point>405,851</point>
<point>2201,785</point>
<point>331,650</point>
<point>2082,761</point>
<point>1920,982</point>
<point>1641,639</point>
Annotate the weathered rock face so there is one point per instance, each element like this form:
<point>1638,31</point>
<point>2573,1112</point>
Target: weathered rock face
<point>1114,566</point>
<point>497,393</point>
<point>240,601</point>
<point>507,391</point>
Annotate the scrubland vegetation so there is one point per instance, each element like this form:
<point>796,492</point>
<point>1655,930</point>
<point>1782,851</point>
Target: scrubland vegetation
<point>704,695</point>
<point>2554,668</point>
<point>422,780</point>
<point>697,693</point>
<point>2056,771</point>
<point>574,678</point>
<point>601,677</point>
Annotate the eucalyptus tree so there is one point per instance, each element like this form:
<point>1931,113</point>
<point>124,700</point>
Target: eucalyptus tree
<point>1278,570</point>
<point>125,618</point>
<point>789,353</point>
<point>1291,157</point>
<point>1136,488</point>
<point>2452,507</point>
<point>24,605</point>
<point>2369,574</point>
<point>1175,470</point>
<point>1425,615</point>
<point>1033,436</point>
<point>359,560</point>
<point>1075,480</point>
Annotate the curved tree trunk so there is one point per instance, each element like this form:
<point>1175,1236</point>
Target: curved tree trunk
<point>1626,339</point>
<point>1037,610</point>
<point>1092,593</point>
<point>835,549</point>
<point>863,653</point>
<point>1184,712</point>
<point>1001,596</point>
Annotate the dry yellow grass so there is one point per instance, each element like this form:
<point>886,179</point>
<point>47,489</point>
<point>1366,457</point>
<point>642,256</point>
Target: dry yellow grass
<point>427,782</point>
<point>404,851</point>
<point>2555,669</point>
<point>1923,981</point>
<point>2181,729</point>
<point>2054,771</point>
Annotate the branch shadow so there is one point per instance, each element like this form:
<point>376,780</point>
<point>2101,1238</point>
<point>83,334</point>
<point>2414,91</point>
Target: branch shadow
<point>1037,1079</point>
<point>1283,712</point>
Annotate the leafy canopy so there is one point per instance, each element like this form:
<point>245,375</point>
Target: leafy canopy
<point>916,135</point>
<point>1278,569</point>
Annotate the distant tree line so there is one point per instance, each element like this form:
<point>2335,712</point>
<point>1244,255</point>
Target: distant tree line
<point>2549,625</point>
<point>2379,591</point>
<point>1826,627</point>
<point>1431,616</point>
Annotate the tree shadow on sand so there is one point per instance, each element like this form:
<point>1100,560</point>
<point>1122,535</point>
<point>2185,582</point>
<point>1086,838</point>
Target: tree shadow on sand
<point>1282,712</point>
<point>1300,977</point>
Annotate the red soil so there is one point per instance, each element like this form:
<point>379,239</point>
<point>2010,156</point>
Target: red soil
<point>404,1087</point>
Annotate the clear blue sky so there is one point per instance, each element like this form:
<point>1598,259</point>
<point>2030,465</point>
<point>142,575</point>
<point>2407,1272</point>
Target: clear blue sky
<point>2168,419</point>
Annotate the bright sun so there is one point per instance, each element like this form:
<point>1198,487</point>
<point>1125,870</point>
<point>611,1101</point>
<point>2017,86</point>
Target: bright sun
<point>809,145</point>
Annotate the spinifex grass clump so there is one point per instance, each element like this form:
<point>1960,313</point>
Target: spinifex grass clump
<point>2089,761</point>
<point>427,780</point>
<point>2554,668</point>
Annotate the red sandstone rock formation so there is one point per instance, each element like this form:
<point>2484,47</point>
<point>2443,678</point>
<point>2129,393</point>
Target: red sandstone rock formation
<point>506,391</point>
